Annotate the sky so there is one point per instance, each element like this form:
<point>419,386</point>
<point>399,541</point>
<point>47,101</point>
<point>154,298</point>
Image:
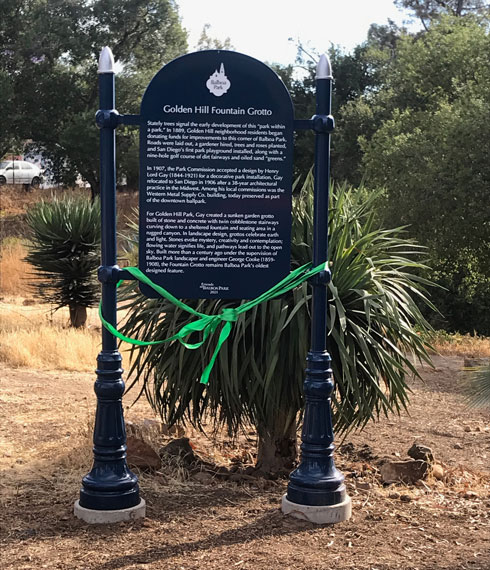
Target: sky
<point>262,28</point>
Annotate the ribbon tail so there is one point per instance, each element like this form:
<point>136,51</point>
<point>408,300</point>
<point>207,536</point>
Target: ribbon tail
<point>224,334</point>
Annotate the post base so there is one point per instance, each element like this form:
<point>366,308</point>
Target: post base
<point>325,514</point>
<point>92,516</point>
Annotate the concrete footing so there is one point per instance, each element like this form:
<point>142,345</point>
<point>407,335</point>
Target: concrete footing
<point>91,516</point>
<point>328,514</point>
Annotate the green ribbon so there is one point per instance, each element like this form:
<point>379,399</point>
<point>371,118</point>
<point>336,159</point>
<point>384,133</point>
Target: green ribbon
<point>208,324</point>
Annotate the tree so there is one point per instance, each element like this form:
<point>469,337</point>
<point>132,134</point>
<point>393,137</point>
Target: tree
<point>207,42</point>
<point>429,10</point>
<point>358,77</point>
<point>65,251</point>
<point>49,52</point>
<point>259,373</point>
<point>430,154</point>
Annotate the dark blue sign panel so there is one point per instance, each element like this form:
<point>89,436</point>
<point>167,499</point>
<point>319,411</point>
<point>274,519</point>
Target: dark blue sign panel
<point>215,177</point>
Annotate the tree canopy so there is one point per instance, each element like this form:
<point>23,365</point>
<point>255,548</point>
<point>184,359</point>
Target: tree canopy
<point>411,112</point>
<point>412,115</point>
<point>48,70</point>
<point>431,155</point>
<point>430,10</point>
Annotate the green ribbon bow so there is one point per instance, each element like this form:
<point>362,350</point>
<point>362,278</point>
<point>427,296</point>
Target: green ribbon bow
<point>208,324</point>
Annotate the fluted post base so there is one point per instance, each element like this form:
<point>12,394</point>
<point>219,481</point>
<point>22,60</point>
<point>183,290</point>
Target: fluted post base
<point>317,482</point>
<point>110,485</point>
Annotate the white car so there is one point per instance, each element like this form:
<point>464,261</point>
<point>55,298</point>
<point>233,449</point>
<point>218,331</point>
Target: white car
<point>19,172</point>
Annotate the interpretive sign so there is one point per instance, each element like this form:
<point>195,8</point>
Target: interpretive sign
<point>216,145</point>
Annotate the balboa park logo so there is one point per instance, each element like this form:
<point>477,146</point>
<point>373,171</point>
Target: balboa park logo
<point>218,84</point>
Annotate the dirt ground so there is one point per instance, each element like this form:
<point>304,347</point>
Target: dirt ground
<point>45,428</point>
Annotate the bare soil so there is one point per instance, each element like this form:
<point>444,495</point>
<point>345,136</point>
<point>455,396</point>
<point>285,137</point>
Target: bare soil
<point>45,429</point>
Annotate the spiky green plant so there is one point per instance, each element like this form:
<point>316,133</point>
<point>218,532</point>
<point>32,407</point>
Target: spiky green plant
<point>65,251</point>
<point>258,377</point>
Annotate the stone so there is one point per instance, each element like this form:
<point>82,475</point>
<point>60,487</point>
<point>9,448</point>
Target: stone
<point>202,477</point>
<point>405,498</point>
<point>475,361</point>
<point>180,448</point>
<point>145,428</point>
<point>438,471</point>
<point>458,446</point>
<point>404,471</point>
<point>418,451</point>
<point>141,454</point>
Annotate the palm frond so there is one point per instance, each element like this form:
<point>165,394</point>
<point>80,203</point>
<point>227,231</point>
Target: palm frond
<point>478,388</point>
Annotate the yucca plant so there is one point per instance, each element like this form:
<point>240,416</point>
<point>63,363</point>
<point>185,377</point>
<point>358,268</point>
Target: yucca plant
<point>258,377</point>
<point>65,251</point>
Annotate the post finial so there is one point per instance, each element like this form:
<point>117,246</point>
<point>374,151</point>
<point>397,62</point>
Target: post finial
<point>106,61</point>
<point>324,68</point>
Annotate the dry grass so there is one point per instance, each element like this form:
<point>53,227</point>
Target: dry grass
<point>13,268</point>
<point>15,200</point>
<point>460,345</point>
<point>31,336</point>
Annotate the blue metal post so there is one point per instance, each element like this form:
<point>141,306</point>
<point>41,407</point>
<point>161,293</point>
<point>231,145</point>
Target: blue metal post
<point>317,482</point>
<point>110,485</point>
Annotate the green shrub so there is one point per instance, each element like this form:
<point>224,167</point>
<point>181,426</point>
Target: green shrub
<point>374,325</point>
<point>65,251</point>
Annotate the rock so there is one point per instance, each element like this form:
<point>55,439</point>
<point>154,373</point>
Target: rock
<point>366,453</point>
<point>437,471</point>
<point>405,498</point>
<point>418,451</point>
<point>141,455</point>
<point>458,446</point>
<point>363,453</point>
<point>363,485</point>
<point>203,477</point>
<point>180,448</point>
<point>474,361</point>
<point>404,471</point>
<point>394,495</point>
<point>145,429</point>
<point>467,429</point>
